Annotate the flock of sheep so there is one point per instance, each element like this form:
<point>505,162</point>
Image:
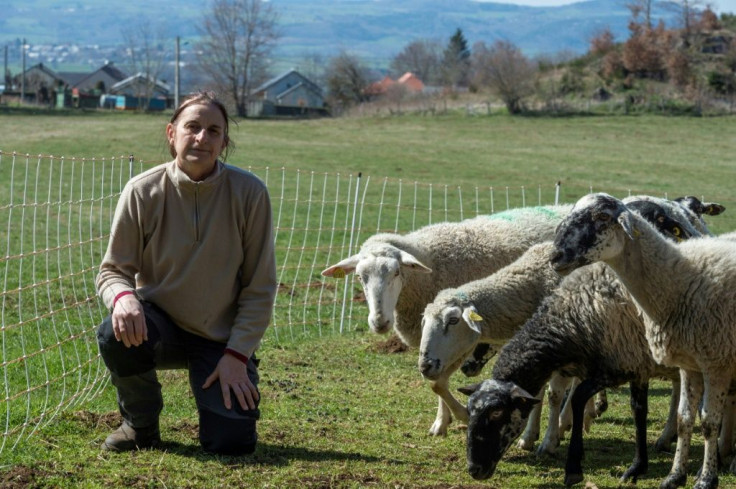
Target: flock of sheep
<point>574,299</point>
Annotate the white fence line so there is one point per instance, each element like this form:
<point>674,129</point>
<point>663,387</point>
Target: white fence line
<point>55,215</point>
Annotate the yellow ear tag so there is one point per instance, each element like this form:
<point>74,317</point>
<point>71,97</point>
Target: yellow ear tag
<point>475,316</point>
<point>338,273</point>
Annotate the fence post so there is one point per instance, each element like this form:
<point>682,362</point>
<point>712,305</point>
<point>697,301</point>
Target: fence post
<point>350,251</point>
<point>130,166</point>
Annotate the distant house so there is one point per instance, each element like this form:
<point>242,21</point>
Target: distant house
<point>408,81</point>
<point>290,94</point>
<point>98,81</point>
<point>140,89</point>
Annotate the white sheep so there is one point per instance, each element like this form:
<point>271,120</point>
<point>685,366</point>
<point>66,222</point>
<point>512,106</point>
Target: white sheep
<point>488,310</point>
<point>688,295</point>
<point>401,274</point>
<point>501,303</point>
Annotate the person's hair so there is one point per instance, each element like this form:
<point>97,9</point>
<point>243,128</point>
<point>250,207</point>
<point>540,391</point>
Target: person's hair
<point>204,98</point>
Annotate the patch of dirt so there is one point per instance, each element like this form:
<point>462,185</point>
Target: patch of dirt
<point>391,345</point>
<point>20,477</point>
<point>109,421</point>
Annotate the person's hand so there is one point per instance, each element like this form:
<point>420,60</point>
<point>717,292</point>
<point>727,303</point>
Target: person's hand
<point>233,375</point>
<point>129,321</point>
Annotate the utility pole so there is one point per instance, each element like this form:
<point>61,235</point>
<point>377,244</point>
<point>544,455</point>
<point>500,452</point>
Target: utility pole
<point>6,78</point>
<point>176,76</point>
<point>23,71</point>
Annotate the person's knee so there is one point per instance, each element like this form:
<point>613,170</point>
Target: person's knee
<point>227,436</point>
<point>124,361</point>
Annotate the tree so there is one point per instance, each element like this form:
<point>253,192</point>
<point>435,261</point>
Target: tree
<point>506,71</point>
<point>423,58</point>
<point>145,57</point>
<point>641,8</point>
<point>456,61</point>
<point>237,39</point>
<point>347,79</point>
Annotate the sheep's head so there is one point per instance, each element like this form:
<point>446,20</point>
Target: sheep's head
<point>591,232</point>
<point>380,272</point>
<point>498,412</point>
<point>676,229</point>
<point>696,209</point>
<point>450,330</point>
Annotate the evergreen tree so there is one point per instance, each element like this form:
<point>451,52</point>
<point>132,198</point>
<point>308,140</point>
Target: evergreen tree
<point>456,61</point>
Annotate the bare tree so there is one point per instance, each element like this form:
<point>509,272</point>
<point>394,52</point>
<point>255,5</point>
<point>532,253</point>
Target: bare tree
<point>145,58</point>
<point>423,58</point>
<point>347,79</point>
<point>689,14</point>
<point>506,71</point>
<point>641,8</point>
<point>237,39</point>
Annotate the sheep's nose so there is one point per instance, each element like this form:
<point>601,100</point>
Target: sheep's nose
<point>427,366</point>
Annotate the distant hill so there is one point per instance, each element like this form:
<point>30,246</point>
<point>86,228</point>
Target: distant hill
<point>373,29</point>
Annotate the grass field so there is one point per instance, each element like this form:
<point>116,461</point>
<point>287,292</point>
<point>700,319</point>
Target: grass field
<point>349,410</point>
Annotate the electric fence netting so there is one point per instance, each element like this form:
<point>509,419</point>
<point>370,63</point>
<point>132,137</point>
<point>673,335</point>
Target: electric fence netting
<point>55,217</point>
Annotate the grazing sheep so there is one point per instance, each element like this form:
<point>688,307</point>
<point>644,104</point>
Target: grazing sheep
<point>489,310</point>
<point>688,295</point>
<point>589,328</point>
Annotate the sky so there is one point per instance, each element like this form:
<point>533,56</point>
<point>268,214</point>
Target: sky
<point>718,6</point>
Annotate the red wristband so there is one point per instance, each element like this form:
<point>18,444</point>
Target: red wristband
<point>121,294</point>
<point>237,355</point>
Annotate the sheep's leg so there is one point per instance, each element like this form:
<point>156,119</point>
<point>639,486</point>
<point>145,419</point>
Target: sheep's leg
<point>590,414</point>
<point>601,404</point>
<point>716,391</point>
<point>555,394</point>
<point>639,410</point>
<point>669,433</point>
<point>725,439</point>
<point>573,466</point>
<point>566,414</point>
<point>691,390</point>
<point>531,432</point>
<point>447,407</point>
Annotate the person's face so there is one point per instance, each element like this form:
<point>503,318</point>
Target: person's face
<point>198,137</point>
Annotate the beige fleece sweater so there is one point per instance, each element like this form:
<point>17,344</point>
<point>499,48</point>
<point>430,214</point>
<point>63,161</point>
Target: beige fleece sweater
<point>202,251</point>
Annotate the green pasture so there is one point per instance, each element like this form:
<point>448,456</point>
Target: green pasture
<point>339,409</point>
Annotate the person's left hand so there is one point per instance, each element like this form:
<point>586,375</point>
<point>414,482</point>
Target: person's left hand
<point>233,375</point>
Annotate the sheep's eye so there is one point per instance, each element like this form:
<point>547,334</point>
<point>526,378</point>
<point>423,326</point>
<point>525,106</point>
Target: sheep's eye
<point>676,231</point>
<point>602,217</point>
<point>660,219</point>
<point>495,414</point>
<point>453,320</point>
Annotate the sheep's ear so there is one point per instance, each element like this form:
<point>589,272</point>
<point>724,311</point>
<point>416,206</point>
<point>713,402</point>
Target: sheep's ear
<point>627,223</point>
<point>408,260</point>
<point>472,318</point>
<point>469,389</point>
<point>522,397</point>
<point>340,269</point>
<point>713,208</point>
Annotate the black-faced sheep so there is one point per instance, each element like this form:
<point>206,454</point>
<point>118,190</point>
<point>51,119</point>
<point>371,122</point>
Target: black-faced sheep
<point>687,294</point>
<point>589,328</point>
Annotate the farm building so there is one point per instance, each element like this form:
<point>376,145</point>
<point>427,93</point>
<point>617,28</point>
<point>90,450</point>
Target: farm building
<point>407,82</point>
<point>138,90</point>
<point>290,94</point>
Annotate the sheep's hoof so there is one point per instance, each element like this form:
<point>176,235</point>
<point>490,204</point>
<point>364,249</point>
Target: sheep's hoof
<point>527,445</point>
<point>572,479</point>
<point>707,483</point>
<point>438,429</point>
<point>547,448</point>
<point>673,481</point>
<point>633,473</point>
<point>663,444</point>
